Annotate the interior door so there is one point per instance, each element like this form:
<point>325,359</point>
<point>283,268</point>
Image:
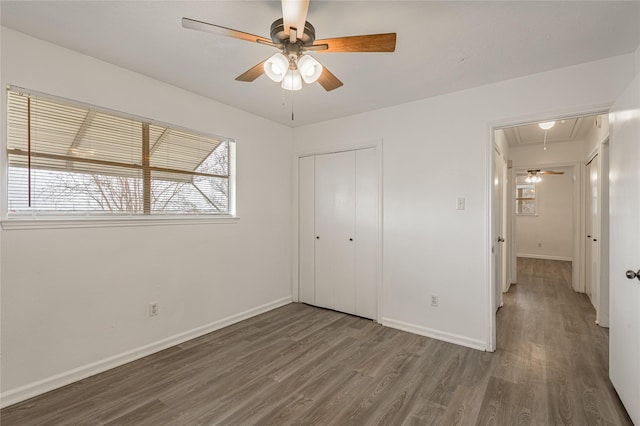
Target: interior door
<point>498,227</point>
<point>306,230</point>
<point>335,231</point>
<point>592,228</point>
<point>624,249</point>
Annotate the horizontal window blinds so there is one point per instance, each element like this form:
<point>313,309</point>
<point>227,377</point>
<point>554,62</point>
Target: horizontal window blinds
<point>69,159</point>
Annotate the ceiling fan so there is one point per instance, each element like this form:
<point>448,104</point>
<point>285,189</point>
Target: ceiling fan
<point>533,175</point>
<point>293,36</point>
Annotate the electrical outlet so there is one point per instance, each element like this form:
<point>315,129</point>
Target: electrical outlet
<point>153,309</point>
<point>460,203</point>
<point>434,300</point>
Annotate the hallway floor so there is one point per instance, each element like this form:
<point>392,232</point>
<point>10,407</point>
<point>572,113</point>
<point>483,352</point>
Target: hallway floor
<point>549,331</point>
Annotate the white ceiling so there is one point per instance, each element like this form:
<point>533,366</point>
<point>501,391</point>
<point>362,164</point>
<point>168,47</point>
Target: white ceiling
<point>566,130</point>
<point>441,46</point>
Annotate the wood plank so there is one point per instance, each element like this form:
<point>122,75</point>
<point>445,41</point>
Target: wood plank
<point>303,365</point>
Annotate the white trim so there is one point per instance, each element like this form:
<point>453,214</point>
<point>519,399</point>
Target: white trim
<point>545,256</point>
<point>378,145</point>
<point>489,232</point>
<point>338,147</point>
<point>564,114</point>
<point>92,222</point>
<point>602,108</point>
<point>39,387</point>
<point>100,220</point>
<point>435,334</point>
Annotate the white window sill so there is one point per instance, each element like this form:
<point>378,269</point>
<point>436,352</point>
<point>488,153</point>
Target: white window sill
<point>103,222</point>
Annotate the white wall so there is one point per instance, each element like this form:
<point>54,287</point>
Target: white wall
<point>557,224</point>
<point>549,233</point>
<point>438,149</point>
<point>75,301</point>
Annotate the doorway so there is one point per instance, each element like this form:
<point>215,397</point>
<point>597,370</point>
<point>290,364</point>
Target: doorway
<point>528,148</point>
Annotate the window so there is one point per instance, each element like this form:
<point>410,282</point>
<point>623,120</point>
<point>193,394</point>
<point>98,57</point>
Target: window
<point>525,197</point>
<point>72,160</point>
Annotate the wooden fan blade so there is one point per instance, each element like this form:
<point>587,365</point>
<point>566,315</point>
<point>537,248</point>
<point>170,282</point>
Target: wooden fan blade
<point>294,14</point>
<point>550,172</point>
<point>361,43</point>
<point>193,24</point>
<point>328,80</point>
<point>252,73</point>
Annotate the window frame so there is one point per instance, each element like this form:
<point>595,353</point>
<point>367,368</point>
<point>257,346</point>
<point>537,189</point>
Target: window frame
<point>89,219</point>
<point>534,199</point>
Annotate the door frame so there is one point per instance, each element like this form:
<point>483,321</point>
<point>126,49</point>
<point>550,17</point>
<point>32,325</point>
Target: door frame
<point>489,196</point>
<point>602,152</point>
<point>343,146</point>
<point>501,250</point>
<point>594,298</point>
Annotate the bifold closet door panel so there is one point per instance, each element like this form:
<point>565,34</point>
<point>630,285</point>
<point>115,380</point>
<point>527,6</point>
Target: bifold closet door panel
<point>306,230</point>
<point>335,229</point>
<point>366,237</point>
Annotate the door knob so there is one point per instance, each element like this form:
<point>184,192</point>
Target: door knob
<point>595,239</point>
<point>632,274</point>
<point>317,238</point>
<point>588,236</point>
<point>350,239</point>
<point>500,240</point>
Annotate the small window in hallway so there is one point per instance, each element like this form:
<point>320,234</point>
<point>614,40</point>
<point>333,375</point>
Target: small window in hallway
<point>525,198</point>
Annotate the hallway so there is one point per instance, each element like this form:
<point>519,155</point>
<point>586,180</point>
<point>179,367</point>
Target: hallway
<point>548,331</point>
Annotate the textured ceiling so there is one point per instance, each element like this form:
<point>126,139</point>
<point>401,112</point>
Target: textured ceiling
<point>566,130</point>
<point>441,46</point>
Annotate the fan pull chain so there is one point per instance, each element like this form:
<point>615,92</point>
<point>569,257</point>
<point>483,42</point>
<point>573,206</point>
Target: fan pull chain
<point>545,141</point>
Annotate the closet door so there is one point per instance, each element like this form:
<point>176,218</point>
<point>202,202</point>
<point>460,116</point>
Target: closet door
<point>335,231</point>
<point>306,230</point>
<point>366,238</point>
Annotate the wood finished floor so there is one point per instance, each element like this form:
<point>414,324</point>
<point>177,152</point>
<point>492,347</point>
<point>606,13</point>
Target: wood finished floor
<point>303,365</point>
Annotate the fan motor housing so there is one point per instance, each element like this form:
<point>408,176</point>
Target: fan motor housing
<point>278,36</point>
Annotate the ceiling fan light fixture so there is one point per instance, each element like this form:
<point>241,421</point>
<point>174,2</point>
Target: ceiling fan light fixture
<point>310,69</point>
<point>292,80</point>
<point>546,125</point>
<point>276,67</point>
<point>533,178</point>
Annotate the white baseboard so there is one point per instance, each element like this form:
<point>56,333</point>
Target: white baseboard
<point>436,334</point>
<point>13,396</point>
<point>545,256</point>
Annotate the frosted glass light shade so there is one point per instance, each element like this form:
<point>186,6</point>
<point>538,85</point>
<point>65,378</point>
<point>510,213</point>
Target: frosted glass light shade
<point>276,67</point>
<point>292,80</point>
<point>310,69</point>
<point>546,125</point>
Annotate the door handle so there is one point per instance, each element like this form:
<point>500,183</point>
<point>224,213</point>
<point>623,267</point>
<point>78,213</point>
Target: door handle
<point>632,274</point>
<point>500,240</point>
